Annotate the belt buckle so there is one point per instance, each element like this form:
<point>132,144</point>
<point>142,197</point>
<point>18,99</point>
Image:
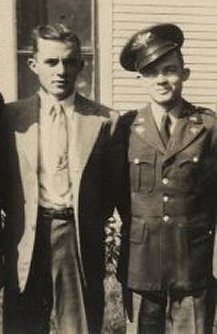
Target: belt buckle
<point>48,213</point>
<point>58,214</point>
<point>63,213</point>
<point>69,211</point>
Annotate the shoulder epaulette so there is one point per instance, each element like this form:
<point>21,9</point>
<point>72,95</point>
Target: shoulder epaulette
<point>206,111</point>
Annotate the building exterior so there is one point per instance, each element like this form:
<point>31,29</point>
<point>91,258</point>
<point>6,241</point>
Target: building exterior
<point>198,20</point>
<point>104,26</point>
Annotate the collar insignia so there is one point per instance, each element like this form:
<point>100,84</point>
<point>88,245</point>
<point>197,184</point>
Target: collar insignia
<point>194,130</point>
<point>193,119</point>
<point>140,129</point>
<point>141,120</point>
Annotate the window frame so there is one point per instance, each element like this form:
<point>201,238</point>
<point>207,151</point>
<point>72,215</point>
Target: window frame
<point>87,51</point>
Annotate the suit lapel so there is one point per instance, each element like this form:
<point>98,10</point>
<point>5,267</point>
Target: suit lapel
<point>26,130</point>
<point>144,127</point>
<point>87,125</point>
<point>87,128</point>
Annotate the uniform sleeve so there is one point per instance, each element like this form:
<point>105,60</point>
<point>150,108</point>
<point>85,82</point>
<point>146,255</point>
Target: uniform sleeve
<point>2,215</point>
<point>213,155</point>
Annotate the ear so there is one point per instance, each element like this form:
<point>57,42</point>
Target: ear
<point>186,73</point>
<point>32,64</point>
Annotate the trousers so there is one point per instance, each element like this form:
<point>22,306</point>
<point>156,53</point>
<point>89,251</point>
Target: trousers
<point>52,302</point>
<point>176,313</point>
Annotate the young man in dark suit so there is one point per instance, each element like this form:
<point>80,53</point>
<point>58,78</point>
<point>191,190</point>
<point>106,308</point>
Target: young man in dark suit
<point>56,152</point>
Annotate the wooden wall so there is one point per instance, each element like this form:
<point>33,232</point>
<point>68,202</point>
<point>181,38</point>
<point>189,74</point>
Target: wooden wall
<point>197,18</point>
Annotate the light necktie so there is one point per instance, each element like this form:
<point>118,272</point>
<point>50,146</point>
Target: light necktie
<point>59,144</point>
<point>165,128</point>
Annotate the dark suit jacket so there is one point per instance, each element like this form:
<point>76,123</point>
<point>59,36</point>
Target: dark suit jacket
<point>173,195</point>
<point>92,182</point>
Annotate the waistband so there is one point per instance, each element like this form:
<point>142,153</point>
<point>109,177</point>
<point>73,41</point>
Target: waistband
<point>47,213</point>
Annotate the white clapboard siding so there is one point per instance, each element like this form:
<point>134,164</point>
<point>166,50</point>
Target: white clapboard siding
<point>197,18</point>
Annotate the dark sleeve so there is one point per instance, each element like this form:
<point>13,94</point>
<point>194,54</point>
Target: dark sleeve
<point>1,101</point>
<point>213,188</point>
<point>120,170</point>
<point>115,161</point>
<point>3,155</point>
<point>121,166</point>
<point>2,214</point>
<point>121,190</point>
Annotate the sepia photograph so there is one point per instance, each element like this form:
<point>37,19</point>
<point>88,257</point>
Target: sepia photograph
<point>108,167</point>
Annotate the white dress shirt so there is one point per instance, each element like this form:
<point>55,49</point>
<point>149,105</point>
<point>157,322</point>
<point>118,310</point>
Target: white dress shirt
<point>48,197</point>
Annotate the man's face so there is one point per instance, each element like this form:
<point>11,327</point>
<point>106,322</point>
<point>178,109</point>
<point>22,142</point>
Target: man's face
<point>57,65</point>
<point>164,78</point>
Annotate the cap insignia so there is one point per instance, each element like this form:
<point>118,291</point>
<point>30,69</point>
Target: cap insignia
<point>142,39</point>
<point>193,119</point>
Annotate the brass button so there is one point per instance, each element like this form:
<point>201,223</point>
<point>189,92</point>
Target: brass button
<point>136,161</point>
<point>195,159</point>
<point>165,181</point>
<point>166,218</point>
<point>165,198</point>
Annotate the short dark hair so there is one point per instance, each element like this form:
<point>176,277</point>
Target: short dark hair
<point>56,32</point>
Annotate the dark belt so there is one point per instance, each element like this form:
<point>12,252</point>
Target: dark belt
<point>65,213</point>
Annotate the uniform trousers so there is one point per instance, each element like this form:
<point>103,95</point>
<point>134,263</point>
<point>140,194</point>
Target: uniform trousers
<point>52,301</point>
<point>176,312</point>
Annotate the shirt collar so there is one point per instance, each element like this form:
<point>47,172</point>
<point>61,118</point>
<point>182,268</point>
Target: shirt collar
<point>174,113</point>
<point>48,101</point>
<point>69,101</point>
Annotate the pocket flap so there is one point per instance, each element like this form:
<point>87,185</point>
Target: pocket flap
<point>137,157</point>
<point>194,159</point>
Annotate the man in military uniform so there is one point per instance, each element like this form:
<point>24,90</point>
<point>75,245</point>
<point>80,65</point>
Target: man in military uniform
<point>1,218</point>
<point>172,159</point>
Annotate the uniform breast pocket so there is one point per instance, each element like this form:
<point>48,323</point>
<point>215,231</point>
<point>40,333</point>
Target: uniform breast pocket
<point>142,172</point>
<point>190,171</point>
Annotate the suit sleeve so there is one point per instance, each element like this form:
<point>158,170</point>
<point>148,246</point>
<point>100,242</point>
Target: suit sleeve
<point>116,167</point>
<point>121,190</point>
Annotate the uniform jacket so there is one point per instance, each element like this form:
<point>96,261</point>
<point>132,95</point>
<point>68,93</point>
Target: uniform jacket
<point>1,218</point>
<point>173,191</point>
<point>94,126</point>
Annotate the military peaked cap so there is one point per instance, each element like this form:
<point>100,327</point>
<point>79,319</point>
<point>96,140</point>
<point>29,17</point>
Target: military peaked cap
<point>148,45</point>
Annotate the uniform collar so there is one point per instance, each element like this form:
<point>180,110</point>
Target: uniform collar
<point>189,126</point>
<point>174,112</point>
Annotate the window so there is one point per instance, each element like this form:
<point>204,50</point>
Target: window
<point>77,14</point>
